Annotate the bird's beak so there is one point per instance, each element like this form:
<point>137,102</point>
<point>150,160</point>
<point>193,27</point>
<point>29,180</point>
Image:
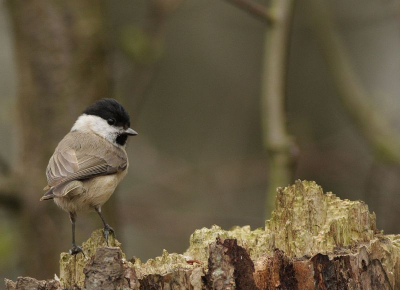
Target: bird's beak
<point>130,132</point>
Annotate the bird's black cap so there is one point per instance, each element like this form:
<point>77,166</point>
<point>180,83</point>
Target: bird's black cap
<point>109,109</point>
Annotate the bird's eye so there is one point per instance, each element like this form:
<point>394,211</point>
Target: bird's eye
<point>111,121</point>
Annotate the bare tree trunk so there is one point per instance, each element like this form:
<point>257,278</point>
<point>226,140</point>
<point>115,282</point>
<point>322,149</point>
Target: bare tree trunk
<point>279,144</point>
<point>281,148</point>
<point>312,241</point>
<point>61,56</point>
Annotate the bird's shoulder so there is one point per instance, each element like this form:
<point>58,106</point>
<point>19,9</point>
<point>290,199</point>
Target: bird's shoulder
<point>84,143</point>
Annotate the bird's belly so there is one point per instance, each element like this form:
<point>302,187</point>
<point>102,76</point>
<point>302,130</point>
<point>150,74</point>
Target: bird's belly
<point>99,189</point>
<point>96,192</point>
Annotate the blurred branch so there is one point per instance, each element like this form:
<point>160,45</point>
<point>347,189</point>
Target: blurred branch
<point>275,136</point>
<point>255,9</point>
<point>280,146</point>
<point>374,126</point>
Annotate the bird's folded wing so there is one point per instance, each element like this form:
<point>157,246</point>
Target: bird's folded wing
<point>66,165</point>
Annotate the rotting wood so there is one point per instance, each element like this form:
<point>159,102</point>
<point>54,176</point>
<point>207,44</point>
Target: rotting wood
<point>312,241</point>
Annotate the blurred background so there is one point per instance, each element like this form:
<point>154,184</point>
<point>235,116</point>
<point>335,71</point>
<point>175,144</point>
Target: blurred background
<point>229,99</point>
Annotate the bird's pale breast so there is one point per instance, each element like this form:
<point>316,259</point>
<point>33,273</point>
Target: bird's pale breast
<point>94,192</point>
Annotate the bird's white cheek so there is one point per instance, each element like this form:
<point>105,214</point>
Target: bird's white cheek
<point>103,129</point>
<point>97,125</point>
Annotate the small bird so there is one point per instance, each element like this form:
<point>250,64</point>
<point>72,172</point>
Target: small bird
<point>89,162</point>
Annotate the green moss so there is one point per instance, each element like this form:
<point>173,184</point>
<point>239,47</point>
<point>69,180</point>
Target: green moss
<point>166,263</point>
<point>71,267</point>
<point>305,222</point>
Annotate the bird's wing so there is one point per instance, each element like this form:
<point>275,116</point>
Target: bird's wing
<point>83,158</point>
<point>61,170</point>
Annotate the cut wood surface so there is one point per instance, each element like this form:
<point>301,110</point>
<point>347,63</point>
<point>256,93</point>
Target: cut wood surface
<point>312,241</point>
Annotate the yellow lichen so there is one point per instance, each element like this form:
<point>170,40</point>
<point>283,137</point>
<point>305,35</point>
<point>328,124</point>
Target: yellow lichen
<point>71,267</point>
<point>305,222</point>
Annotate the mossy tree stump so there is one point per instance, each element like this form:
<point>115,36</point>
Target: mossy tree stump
<point>312,241</point>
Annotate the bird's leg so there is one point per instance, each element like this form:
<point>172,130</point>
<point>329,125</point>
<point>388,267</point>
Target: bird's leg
<point>107,228</point>
<point>75,249</point>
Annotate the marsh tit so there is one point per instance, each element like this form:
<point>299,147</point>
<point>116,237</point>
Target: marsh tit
<point>89,162</point>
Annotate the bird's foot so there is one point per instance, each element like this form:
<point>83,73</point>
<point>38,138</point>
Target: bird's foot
<point>76,250</point>
<point>107,231</point>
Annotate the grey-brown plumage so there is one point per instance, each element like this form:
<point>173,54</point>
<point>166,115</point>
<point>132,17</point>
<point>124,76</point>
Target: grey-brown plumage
<point>78,158</point>
<point>89,162</point>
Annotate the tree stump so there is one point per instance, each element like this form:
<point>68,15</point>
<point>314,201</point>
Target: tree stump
<point>312,241</point>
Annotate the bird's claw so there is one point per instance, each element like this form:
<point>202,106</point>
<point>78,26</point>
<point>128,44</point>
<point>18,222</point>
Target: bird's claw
<point>107,231</point>
<point>76,250</point>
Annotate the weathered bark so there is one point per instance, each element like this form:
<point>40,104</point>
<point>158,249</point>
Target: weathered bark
<point>30,283</point>
<point>61,59</point>
<point>229,266</point>
<point>313,241</point>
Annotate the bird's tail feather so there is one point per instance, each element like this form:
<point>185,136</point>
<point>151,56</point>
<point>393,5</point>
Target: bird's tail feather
<point>48,195</point>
